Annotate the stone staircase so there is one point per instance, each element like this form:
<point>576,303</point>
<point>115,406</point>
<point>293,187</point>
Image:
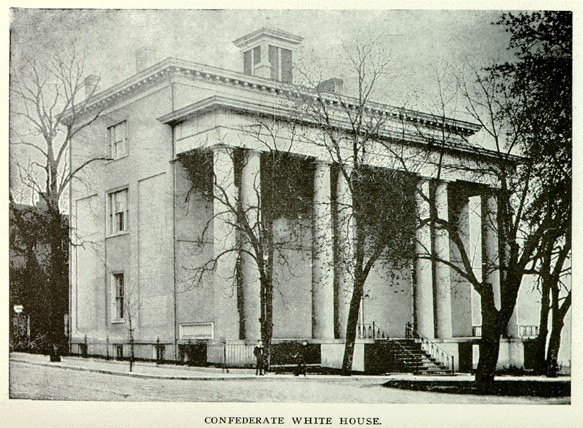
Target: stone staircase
<point>414,354</point>
<point>408,355</point>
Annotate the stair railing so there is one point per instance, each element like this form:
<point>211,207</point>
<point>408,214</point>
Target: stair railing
<point>431,348</point>
<point>370,331</point>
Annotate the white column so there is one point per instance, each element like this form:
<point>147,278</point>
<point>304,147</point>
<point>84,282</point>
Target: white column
<point>423,268</point>
<point>226,318</point>
<point>490,250</point>
<point>442,270</point>
<point>345,245</point>
<point>494,258</point>
<point>250,191</point>
<point>462,290</point>
<point>322,257</point>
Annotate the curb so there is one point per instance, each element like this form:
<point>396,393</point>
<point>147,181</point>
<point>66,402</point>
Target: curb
<point>233,377</point>
<point>134,374</point>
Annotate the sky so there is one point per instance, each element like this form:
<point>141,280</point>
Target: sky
<point>414,43</point>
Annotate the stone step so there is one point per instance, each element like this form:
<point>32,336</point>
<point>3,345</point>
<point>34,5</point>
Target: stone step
<point>410,356</point>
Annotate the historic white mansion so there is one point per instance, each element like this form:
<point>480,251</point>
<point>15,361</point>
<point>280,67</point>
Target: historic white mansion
<point>142,230</point>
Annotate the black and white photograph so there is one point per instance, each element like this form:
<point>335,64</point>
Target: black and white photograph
<point>289,206</point>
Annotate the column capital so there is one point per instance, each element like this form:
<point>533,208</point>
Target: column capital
<point>490,192</point>
<point>319,161</point>
<point>347,168</point>
<point>252,150</point>
<point>221,147</point>
<point>442,181</point>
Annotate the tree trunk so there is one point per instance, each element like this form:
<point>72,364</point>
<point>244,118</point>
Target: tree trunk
<point>540,344</point>
<point>490,341</point>
<point>267,321</point>
<point>351,325</point>
<point>541,340</point>
<point>131,348</point>
<point>552,362</point>
<point>555,338</point>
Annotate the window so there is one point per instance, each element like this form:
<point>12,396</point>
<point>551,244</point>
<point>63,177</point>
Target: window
<point>247,68</point>
<point>274,61</point>
<point>118,211</point>
<point>280,60</point>
<point>286,65</point>
<point>118,140</point>
<point>256,55</point>
<point>118,296</point>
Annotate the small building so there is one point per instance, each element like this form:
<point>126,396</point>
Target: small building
<point>146,222</point>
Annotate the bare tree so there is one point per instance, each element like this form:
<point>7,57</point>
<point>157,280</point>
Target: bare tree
<point>48,100</point>
<point>373,204</point>
<point>538,82</point>
<point>509,215</point>
<point>246,246</point>
<point>131,308</point>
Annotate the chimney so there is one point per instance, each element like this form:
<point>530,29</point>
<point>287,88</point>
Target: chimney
<point>331,86</point>
<point>91,82</point>
<point>144,58</point>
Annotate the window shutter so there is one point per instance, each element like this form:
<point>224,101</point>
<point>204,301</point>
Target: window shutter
<point>286,65</point>
<point>247,68</point>
<point>273,61</point>
<point>257,55</point>
<point>113,313</point>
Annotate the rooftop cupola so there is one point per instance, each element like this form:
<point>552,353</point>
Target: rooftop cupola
<point>268,52</point>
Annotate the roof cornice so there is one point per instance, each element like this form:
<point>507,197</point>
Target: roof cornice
<point>174,66</point>
<point>241,105</point>
<point>267,33</point>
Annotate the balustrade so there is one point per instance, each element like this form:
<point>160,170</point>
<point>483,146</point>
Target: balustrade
<point>524,331</point>
<point>370,331</point>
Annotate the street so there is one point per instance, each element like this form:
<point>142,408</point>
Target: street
<point>41,382</point>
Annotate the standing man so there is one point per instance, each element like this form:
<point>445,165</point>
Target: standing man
<point>259,353</point>
<point>301,359</point>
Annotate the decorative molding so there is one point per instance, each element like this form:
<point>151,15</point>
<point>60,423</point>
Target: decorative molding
<point>172,66</point>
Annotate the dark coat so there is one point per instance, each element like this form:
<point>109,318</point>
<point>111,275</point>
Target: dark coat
<point>259,353</point>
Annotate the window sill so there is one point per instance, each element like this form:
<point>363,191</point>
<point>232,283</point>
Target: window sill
<point>113,235</point>
<point>116,159</point>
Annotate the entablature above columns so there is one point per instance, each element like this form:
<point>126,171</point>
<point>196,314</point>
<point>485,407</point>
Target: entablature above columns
<point>227,125</point>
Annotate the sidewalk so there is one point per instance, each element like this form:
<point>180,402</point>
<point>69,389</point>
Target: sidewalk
<point>170,371</point>
<point>140,369</point>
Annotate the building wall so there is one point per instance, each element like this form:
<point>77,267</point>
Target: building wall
<point>192,214</point>
<point>145,252</point>
<point>87,263</point>
<point>389,298</point>
<point>292,295</point>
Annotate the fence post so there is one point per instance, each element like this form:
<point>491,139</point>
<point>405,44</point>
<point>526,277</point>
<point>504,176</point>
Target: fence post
<point>225,369</point>
<point>158,350</point>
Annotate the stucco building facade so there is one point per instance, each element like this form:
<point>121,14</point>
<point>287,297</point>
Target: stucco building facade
<point>142,228</point>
